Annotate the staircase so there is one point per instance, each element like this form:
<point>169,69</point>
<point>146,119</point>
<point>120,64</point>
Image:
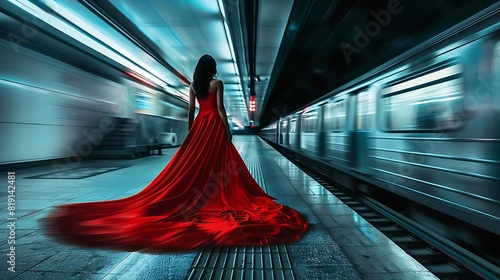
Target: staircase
<point>119,142</point>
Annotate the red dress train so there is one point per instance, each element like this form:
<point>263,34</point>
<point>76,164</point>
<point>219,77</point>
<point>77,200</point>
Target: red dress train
<point>205,196</point>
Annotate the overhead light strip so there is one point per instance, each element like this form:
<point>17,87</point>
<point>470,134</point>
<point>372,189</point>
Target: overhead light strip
<point>228,36</point>
<point>108,47</point>
<point>231,47</point>
<point>230,41</point>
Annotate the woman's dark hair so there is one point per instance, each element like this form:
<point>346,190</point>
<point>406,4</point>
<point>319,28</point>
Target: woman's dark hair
<point>203,73</point>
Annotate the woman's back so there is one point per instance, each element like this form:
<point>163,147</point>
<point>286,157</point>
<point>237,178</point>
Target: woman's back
<point>209,102</point>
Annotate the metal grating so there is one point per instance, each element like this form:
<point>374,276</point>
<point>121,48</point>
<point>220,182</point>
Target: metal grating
<point>245,262</point>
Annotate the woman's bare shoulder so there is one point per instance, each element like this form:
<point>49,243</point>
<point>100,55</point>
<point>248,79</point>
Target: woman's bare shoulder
<point>216,82</point>
<point>215,85</point>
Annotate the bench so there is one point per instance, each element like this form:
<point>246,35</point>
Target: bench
<point>164,140</point>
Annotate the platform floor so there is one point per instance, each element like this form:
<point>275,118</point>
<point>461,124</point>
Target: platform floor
<point>339,245</point>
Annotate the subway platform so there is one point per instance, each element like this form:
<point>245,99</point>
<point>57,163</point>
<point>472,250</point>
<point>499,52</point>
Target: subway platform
<point>339,245</point>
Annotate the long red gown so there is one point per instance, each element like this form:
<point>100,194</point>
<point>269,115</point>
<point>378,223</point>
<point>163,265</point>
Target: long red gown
<point>204,197</point>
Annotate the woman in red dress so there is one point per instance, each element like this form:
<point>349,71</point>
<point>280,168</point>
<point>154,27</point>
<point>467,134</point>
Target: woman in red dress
<point>204,197</point>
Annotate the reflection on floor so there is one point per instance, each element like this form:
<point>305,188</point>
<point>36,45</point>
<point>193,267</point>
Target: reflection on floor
<point>340,244</point>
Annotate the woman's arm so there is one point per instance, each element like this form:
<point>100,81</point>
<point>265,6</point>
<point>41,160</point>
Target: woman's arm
<point>191,107</point>
<point>222,109</point>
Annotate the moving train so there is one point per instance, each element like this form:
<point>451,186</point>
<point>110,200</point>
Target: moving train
<point>424,125</point>
<point>51,109</point>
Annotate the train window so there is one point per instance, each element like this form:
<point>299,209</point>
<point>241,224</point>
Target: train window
<point>424,102</point>
<point>284,124</point>
<point>366,110</point>
<point>310,121</point>
<point>335,115</point>
<point>144,101</point>
<point>293,125</point>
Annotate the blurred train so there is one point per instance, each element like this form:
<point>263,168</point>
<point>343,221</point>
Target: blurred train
<point>51,109</point>
<point>425,125</point>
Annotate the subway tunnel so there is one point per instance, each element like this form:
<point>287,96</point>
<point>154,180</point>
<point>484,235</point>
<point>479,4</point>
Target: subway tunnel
<point>374,120</point>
